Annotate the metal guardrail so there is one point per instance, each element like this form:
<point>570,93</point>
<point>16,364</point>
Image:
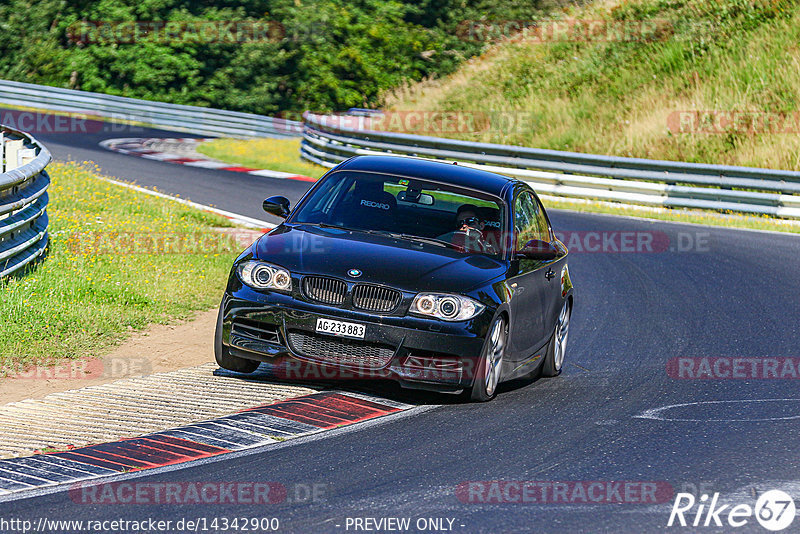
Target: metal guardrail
<point>23,200</point>
<point>329,140</point>
<point>193,119</point>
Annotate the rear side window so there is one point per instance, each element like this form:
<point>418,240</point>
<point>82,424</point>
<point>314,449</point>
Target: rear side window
<point>544,226</point>
<point>529,220</point>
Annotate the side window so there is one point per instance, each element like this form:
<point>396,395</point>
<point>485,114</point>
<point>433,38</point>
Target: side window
<point>529,220</point>
<point>541,218</point>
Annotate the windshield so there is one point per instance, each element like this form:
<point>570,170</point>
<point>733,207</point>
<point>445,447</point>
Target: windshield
<point>407,208</point>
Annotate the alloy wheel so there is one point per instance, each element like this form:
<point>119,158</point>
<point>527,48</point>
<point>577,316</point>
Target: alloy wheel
<point>562,331</point>
<point>494,355</point>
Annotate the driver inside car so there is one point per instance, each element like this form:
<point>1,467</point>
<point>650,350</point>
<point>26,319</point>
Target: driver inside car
<point>469,230</point>
<point>467,218</point>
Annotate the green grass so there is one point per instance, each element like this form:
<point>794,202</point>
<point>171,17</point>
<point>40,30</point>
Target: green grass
<point>274,154</point>
<point>83,299</point>
<point>620,98</point>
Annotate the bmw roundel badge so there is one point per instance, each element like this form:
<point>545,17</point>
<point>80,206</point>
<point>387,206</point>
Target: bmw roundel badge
<point>353,273</point>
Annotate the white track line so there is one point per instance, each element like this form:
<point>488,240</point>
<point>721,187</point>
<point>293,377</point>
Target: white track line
<point>148,148</point>
<point>243,220</point>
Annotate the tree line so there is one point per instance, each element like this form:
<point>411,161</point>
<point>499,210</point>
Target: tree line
<point>258,56</point>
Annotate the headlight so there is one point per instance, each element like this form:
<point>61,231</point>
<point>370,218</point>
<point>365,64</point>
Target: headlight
<point>259,275</point>
<point>444,306</point>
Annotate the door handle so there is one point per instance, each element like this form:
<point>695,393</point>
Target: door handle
<point>549,274</point>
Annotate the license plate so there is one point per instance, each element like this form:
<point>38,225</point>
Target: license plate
<point>340,328</point>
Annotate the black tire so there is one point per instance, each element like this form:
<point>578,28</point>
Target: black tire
<point>482,389</point>
<point>553,364</point>
<point>224,358</point>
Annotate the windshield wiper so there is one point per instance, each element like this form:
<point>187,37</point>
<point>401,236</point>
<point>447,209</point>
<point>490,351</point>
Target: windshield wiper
<point>396,235</point>
<point>431,240</point>
<point>339,227</point>
<point>362,230</point>
<point>411,237</point>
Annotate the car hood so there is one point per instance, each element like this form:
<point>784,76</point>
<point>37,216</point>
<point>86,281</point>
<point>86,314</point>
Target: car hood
<point>399,263</point>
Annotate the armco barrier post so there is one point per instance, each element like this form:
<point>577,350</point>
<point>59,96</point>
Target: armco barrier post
<point>12,154</point>
<point>23,200</point>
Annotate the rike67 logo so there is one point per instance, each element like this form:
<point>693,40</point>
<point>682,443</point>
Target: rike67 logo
<point>774,510</point>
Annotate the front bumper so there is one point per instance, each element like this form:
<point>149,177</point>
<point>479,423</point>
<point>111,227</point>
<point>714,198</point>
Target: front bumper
<point>416,352</point>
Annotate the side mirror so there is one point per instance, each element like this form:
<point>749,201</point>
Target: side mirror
<point>538,250</point>
<point>277,205</point>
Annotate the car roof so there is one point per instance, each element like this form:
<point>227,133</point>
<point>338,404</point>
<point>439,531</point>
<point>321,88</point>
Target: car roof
<point>459,175</point>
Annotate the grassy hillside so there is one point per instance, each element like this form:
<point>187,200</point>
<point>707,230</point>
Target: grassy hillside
<point>625,98</point>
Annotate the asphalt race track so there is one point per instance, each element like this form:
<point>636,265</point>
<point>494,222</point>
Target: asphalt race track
<point>204,186</point>
<point>610,417</point>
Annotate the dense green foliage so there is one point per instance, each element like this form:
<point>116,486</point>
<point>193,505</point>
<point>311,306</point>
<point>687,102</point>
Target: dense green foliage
<point>328,54</point>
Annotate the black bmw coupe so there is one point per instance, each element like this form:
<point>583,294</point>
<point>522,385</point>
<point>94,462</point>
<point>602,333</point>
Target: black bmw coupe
<point>435,275</point>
